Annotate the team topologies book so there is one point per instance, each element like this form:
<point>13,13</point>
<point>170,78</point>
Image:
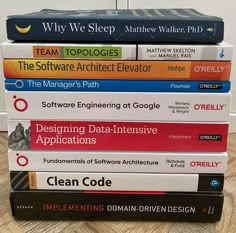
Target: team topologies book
<point>102,51</point>
<point>144,25</point>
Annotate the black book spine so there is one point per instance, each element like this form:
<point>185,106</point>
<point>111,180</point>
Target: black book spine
<point>65,205</point>
<point>120,30</point>
<point>211,183</point>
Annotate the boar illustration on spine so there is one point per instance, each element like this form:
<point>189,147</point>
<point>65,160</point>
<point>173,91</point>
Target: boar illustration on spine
<point>19,139</point>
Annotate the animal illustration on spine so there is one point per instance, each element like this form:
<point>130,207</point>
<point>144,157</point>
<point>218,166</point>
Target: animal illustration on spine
<point>19,139</point>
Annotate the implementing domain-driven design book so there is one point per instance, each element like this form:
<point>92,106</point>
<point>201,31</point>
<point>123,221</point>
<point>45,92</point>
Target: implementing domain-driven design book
<point>122,206</point>
<point>144,25</point>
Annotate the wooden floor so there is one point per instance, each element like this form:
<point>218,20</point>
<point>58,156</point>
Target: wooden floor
<point>226,225</point>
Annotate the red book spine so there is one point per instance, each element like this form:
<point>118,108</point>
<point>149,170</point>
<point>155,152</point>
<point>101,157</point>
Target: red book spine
<point>127,136</point>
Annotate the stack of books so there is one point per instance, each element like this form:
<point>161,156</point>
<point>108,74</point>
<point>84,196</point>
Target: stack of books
<point>117,115</point>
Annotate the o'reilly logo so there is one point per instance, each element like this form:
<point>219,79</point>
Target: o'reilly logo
<point>210,86</point>
<point>215,107</point>
<point>204,164</point>
<point>210,137</point>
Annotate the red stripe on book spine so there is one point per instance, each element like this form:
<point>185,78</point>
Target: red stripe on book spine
<point>128,136</point>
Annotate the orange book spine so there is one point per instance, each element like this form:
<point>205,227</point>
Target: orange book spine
<point>88,69</point>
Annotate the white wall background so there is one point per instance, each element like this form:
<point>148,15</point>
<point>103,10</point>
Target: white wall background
<point>222,9</point>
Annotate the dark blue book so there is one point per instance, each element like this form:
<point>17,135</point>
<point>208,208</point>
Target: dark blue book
<point>141,26</point>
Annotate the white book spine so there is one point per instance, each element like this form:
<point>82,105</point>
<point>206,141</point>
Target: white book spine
<point>69,51</point>
<point>82,161</point>
<point>118,106</point>
<point>113,181</point>
<point>219,52</point>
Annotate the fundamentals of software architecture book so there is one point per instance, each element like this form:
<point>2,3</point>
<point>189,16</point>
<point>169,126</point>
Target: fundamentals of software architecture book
<point>117,161</point>
<point>136,25</point>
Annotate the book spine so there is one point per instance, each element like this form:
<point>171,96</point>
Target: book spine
<point>139,162</point>
<point>220,52</point>
<point>58,205</point>
<point>116,85</point>
<point>134,70</point>
<point>116,181</point>
<point>69,51</point>
<point>120,30</point>
<point>129,136</point>
<point>119,106</point>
